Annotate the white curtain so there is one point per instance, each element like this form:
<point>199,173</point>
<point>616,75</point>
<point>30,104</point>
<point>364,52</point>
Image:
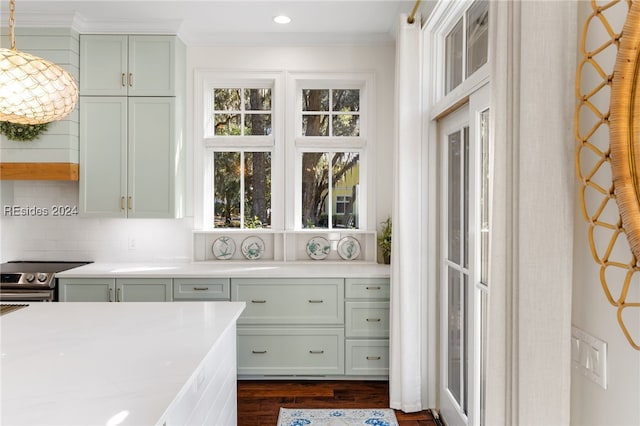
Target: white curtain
<point>407,378</point>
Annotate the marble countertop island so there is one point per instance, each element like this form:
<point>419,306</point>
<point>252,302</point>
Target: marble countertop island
<point>115,363</point>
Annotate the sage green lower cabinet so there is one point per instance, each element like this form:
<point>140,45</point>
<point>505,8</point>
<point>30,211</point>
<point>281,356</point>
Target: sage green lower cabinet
<point>115,290</point>
<point>201,289</point>
<point>290,351</point>
<point>367,326</point>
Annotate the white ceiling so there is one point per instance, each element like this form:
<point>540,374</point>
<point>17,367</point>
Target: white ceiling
<point>210,22</point>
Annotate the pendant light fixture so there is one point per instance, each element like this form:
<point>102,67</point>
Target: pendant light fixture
<point>33,90</point>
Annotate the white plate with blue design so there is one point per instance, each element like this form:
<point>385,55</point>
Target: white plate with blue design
<point>252,248</point>
<point>318,248</point>
<point>223,248</point>
<point>349,248</point>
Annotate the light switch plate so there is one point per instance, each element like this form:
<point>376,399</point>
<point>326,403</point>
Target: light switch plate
<point>589,356</point>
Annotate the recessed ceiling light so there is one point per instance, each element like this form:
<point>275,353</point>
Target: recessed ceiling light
<point>281,19</point>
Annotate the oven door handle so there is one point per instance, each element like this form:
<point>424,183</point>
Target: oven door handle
<point>26,296</point>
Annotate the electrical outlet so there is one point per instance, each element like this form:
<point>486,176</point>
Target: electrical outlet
<point>589,356</point>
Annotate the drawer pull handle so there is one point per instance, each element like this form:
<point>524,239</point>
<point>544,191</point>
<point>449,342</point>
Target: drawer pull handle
<point>316,352</point>
<point>373,288</point>
<point>316,301</point>
<point>201,288</point>
<point>373,319</point>
<point>258,301</point>
<point>373,358</point>
<point>259,352</point>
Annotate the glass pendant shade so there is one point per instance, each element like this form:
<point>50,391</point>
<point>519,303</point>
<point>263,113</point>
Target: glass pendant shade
<point>32,89</point>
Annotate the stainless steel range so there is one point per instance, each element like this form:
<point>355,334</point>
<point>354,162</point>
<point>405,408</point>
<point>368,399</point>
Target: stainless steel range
<point>31,281</point>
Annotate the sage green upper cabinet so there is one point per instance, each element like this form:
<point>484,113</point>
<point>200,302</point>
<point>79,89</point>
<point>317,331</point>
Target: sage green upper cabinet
<point>130,156</point>
<point>129,65</point>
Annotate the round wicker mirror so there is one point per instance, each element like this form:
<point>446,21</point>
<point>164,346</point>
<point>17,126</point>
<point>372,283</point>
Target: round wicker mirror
<point>625,128</point>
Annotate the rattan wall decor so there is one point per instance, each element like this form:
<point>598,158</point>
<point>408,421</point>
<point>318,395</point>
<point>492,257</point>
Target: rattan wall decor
<point>605,164</point>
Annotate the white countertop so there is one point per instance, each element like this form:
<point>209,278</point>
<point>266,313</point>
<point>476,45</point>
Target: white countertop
<point>87,363</point>
<point>229,269</point>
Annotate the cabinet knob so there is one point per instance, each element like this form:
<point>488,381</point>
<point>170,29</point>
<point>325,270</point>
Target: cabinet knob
<point>123,80</point>
<point>373,320</point>
<point>373,288</point>
<point>119,295</point>
<point>201,288</point>
<point>110,295</point>
<point>259,352</point>
<point>316,352</point>
<point>129,202</point>
<point>130,79</point>
<point>316,301</point>
<point>122,203</point>
<point>373,358</point>
<point>258,301</point>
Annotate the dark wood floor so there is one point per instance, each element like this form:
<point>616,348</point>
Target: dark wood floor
<point>259,401</point>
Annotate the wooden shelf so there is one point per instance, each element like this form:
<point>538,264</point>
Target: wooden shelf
<point>39,171</point>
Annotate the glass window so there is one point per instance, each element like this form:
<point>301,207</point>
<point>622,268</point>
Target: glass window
<point>453,58</point>
<point>331,112</point>
<point>330,184</point>
<point>242,112</point>
<point>242,189</point>
<point>477,35</point>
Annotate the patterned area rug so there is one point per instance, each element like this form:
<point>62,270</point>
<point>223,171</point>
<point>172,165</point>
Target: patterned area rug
<point>336,417</point>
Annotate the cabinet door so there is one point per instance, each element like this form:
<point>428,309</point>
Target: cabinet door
<point>151,159</point>
<point>152,65</point>
<point>86,289</point>
<point>143,290</point>
<point>103,65</point>
<point>103,141</point>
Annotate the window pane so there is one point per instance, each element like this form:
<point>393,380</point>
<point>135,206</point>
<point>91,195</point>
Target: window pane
<point>227,189</point>
<point>477,35</point>
<point>315,125</point>
<point>257,189</point>
<point>315,100</point>
<point>257,99</point>
<point>315,189</point>
<point>453,58</point>
<point>484,197</point>
<point>346,125</point>
<point>345,185</point>
<point>454,196</point>
<point>465,195</point>
<point>346,100</point>
<point>455,338</point>
<point>226,99</point>
<point>227,124</point>
<point>257,124</point>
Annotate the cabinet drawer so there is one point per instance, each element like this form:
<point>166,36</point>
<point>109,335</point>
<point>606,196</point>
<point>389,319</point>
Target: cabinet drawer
<point>367,319</point>
<point>290,301</point>
<point>367,357</point>
<point>367,288</point>
<point>201,288</point>
<point>290,351</point>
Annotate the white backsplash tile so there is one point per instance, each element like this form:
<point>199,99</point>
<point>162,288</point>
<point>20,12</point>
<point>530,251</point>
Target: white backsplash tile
<point>78,238</point>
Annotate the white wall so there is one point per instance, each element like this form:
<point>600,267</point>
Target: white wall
<point>591,404</point>
<point>75,238</point>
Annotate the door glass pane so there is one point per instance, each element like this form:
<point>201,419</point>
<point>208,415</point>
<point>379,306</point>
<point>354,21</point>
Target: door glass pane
<point>453,58</point>
<point>454,197</point>
<point>484,197</point>
<point>454,341</point>
<point>227,189</point>
<point>346,181</point>
<point>257,189</point>
<point>465,200</point>
<point>477,35</point>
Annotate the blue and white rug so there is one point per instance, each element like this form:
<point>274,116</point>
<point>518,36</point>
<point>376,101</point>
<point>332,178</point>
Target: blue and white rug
<point>337,417</point>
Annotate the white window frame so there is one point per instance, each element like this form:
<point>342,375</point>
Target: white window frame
<point>363,144</point>
<point>207,143</point>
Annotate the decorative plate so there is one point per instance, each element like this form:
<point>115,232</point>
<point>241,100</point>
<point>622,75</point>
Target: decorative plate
<point>252,248</point>
<point>349,248</point>
<point>318,248</point>
<point>223,248</point>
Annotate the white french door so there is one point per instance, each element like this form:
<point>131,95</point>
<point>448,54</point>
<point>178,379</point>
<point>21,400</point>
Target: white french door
<point>463,252</point>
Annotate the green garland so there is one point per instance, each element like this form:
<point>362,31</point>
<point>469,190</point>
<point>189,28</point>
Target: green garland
<point>22,132</point>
